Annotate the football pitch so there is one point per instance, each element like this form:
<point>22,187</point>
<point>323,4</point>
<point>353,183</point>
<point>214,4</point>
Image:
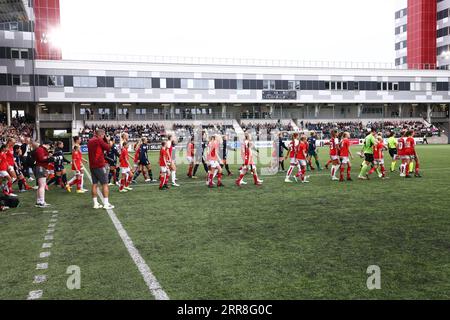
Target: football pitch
<point>277,241</point>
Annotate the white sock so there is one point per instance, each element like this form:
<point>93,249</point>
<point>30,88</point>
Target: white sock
<point>174,176</point>
<point>106,201</point>
<point>82,180</point>
<point>95,201</point>
<point>334,170</point>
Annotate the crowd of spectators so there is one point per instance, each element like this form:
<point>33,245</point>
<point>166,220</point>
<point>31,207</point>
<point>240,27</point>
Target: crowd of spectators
<point>154,133</point>
<point>19,127</point>
<point>358,131</point>
<point>266,128</point>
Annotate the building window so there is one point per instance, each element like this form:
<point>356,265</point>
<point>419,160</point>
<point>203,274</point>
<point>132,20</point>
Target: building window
<point>56,81</point>
<point>85,82</point>
<point>15,54</point>
<point>25,81</point>
<point>291,85</point>
<point>16,80</point>
<point>23,54</point>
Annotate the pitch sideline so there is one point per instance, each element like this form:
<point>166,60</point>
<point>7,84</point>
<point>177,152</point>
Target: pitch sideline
<point>151,281</point>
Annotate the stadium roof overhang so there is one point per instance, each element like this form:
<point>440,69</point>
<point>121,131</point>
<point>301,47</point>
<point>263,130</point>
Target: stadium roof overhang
<point>13,10</point>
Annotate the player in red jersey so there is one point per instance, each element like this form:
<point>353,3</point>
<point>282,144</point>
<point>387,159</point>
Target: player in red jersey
<point>10,158</point>
<point>414,159</point>
<point>77,166</point>
<point>172,157</point>
<point>4,175</point>
<point>334,154</point>
<point>249,164</point>
<point>292,154</point>
<point>379,158</point>
<point>164,171</point>
<point>212,158</point>
<point>345,154</point>
<point>190,156</point>
<point>137,154</point>
<point>78,169</point>
<point>302,153</point>
<point>402,153</point>
<point>125,169</point>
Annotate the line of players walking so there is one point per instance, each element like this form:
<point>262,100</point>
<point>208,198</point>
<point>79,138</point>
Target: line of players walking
<point>301,151</point>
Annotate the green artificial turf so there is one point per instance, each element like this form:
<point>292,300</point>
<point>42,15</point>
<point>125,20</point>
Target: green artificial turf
<point>277,241</point>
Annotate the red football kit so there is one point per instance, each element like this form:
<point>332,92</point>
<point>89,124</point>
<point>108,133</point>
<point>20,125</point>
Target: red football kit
<point>345,147</point>
<point>124,158</point>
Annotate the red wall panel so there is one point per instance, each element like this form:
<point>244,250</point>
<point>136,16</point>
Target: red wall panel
<point>47,19</point>
<point>421,38</point>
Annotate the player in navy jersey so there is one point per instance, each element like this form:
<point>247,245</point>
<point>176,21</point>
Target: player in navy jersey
<point>144,162</point>
<point>18,167</point>
<point>199,155</point>
<point>225,155</point>
<point>60,172</point>
<point>112,156</point>
<point>281,148</point>
<point>312,151</point>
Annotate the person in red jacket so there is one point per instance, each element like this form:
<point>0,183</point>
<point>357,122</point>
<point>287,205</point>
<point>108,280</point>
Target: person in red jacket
<point>97,163</point>
<point>43,158</point>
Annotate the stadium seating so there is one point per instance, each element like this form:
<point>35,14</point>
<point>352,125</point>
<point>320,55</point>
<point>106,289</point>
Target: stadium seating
<point>358,129</point>
<point>154,133</point>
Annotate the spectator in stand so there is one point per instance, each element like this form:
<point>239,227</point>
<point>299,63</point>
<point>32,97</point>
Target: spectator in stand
<point>97,163</point>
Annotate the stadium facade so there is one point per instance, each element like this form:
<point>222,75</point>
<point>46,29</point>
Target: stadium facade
<point>66,94</point>
<point>422,34</point>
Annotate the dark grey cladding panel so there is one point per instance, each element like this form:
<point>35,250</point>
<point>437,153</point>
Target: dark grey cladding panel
<point>10,94</point>
<point>24,96</point>
<point>13,69</point>
<point>91,95</point>
<point>41,91</point>
<point>18,40</point>
<point>55,89</point>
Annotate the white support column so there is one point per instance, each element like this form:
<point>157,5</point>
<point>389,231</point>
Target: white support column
<point>224,111</point>
<point>172,111</point>
<point>359,110</point>
<point>429,113</point>
<point>38,127</point>
<point>8,113</point>
<point>400,110</point>
<point>317,111</point>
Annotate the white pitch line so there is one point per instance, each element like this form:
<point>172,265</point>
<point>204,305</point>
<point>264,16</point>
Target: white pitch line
<point>40,279</point>
<point>42,266</point>
<point>45,254</point>
<point>151,281</point>
<point>34,295</point>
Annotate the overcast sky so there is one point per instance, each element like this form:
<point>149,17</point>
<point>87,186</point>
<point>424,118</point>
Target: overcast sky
<point>329,30</point>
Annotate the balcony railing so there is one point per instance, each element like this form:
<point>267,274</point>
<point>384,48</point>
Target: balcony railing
<point>55,117</point>
<point>245,62</point>
<point>439,115</point>
<point>157,117</point>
